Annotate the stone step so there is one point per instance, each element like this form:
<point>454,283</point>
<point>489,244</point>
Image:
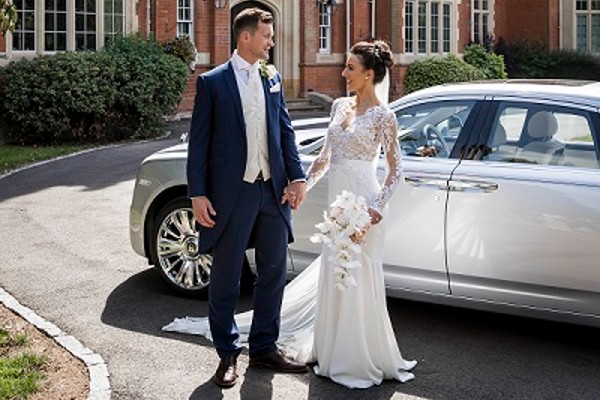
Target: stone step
<point>303,105</point>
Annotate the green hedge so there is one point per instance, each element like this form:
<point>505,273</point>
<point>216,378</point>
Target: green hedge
<point>437,71</point>
<point>525,59</point>
<point>118,93</point>
<point>492,65</point>
<point>149,85</point>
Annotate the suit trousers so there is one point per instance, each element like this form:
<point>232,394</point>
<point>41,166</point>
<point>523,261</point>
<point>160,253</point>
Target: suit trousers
<point>256,213</point>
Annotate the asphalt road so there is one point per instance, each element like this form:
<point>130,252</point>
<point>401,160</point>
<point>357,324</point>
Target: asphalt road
<point>64,252</point>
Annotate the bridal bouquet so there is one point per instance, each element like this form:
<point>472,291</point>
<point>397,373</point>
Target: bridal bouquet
<point>343,230</point>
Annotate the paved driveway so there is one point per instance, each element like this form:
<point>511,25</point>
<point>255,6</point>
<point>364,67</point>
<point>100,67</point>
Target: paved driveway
<point>65,253</point>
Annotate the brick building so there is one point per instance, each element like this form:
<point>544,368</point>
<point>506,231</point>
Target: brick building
<point>311,35</point>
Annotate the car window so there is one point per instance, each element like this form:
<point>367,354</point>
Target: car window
<point>431,130</point>
<point>542,134</point>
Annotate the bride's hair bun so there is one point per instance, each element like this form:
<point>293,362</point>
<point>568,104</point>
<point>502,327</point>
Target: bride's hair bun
<point>375,55</point>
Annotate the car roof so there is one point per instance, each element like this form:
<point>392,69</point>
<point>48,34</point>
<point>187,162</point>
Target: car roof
<point>576,91</point>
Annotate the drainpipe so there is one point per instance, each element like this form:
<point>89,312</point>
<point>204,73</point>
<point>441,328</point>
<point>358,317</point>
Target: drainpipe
<point>348,25</point>
<point>348,44</point>
<point>373,19</point>
<point>560,24</point>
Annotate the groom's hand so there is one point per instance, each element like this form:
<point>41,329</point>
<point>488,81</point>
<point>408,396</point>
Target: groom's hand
<point>294,193</point>
<point>203,210</point>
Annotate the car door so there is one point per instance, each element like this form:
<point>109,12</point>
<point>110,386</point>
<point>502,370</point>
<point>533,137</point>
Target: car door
<point>523,223</point>
<point>430,132</point>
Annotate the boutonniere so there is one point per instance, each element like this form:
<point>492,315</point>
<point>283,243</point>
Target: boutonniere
<point>267,70</point>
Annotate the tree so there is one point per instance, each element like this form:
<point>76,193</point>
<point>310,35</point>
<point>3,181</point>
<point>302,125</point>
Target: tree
<point>8,16</point>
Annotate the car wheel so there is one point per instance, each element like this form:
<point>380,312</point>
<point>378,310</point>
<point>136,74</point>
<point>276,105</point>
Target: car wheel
<point>174,249</point>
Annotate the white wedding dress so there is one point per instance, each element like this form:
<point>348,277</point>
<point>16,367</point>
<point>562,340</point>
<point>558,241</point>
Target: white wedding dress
<point>348,333</point>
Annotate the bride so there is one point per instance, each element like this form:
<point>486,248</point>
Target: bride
<point>347,333</point>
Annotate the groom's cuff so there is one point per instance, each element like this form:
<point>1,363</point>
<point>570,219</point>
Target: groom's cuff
<point>299,180</point>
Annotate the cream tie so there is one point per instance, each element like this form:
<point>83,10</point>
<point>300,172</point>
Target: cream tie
<point>254,83</point>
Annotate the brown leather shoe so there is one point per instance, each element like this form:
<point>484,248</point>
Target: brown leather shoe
<point>278,361</point>
<point>226,375</point>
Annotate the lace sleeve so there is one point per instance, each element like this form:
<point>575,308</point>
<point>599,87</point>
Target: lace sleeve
<point>320,165</point>
<point>389,139</point>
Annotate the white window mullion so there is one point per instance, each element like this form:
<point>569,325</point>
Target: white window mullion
<point>71,25</point>
<point>99,24</point>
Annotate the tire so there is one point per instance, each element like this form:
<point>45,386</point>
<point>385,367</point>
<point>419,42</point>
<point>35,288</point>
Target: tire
<point>173,251</point>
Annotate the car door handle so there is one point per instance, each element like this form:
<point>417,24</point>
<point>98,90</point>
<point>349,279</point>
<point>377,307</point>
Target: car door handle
<point>461,186</point>
<point>426,181</point>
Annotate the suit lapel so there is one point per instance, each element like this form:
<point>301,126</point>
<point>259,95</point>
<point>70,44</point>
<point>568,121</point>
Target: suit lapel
<point>235,94</point>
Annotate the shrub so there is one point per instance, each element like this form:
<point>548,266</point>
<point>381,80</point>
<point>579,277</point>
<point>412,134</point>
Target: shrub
<point>533,60</point>
<point>182,48</point>
<point>571,64</point>
<point>492,65</point>
<point>56,99</point>
<point>149,83</point>
<point>118,93</point>
<point>437,71</point>
<point>524,59</point>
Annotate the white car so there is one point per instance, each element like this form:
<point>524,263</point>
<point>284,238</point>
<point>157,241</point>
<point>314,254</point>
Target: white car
<point>498,209</point>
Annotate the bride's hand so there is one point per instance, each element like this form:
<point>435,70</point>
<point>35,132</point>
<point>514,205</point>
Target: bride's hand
<point>359,237</point>
<point>375,216</point>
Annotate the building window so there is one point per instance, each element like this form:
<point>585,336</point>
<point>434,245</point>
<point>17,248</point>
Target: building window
<point>55,28</point>
<point>587,14</point>
<point>427,24</point>
<point>24,33</point>
<point>408,27</point>
<point>324,28</point>
<point>482,18</point>
<point>85,25</point>
<point>67,24</point>
<point>185,18</point>
<point>114,18</point>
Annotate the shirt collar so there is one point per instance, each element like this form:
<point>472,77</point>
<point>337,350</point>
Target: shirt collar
<point>239,63</point>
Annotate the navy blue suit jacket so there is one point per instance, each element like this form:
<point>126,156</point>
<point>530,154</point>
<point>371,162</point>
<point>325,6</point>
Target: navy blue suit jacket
<point>217,146</point>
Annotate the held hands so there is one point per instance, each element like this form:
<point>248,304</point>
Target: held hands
<point>203,211</point>
<point>294,193</point>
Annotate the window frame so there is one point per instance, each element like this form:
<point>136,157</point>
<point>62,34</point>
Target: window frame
<point>478,12</point>
<point>88,35</point>
<point>187,22</point>
<point>589,13</point>
<point>325,12</point>
<point>418,17</point>
<point>22,32</point>
<point>40,14</point>
<point>109,33</point>
<point>55,32</point>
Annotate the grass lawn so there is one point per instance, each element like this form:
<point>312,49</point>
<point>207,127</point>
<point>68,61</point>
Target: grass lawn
<point>12,157</point>
<point>19,371</point>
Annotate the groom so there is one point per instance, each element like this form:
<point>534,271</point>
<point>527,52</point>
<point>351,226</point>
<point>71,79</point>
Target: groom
<point>244,176</point>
